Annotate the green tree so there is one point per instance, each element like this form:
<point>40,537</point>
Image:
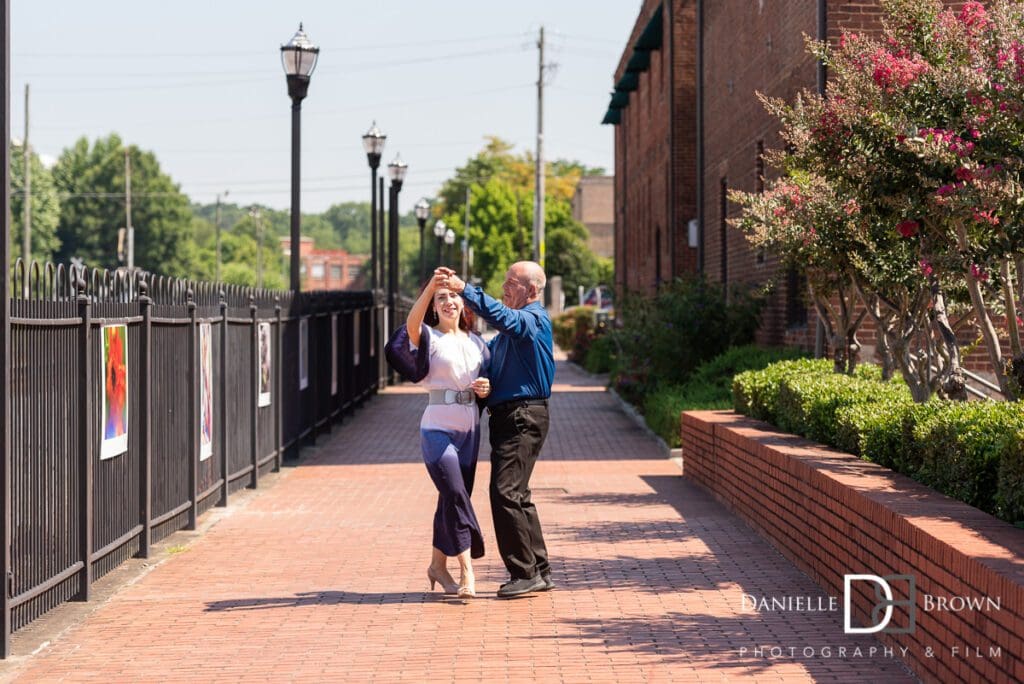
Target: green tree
<point>501,184</point>
<point>92,179</point>
<point>45,207</point>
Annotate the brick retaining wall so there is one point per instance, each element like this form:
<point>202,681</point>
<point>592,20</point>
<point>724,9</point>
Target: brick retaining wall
<point>832,513</point>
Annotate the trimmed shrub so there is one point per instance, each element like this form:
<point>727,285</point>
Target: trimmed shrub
<point>756,393</point>
<point>972,451</point>
<point>708,387</point>
<point>807,404</point>
<point>1010,487</point>
<point>963,446</point>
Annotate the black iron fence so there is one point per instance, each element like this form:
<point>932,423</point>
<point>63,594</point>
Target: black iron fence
<point>138,403</point>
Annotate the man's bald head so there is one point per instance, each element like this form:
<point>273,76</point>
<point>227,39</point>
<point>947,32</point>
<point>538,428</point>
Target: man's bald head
<point>524,283</point>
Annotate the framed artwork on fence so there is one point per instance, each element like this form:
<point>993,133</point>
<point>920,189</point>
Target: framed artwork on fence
<point>114,403</point>
<point>355,338</point>
<point>334,354</point>
<point>205,391</point>
<point>303,353</point>
<point>264,361</point>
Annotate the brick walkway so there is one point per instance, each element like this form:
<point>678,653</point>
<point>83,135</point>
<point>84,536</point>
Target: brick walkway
<point>322,577</point>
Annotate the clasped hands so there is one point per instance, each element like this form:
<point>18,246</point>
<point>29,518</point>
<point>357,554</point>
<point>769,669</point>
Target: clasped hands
<point>447,278</point>
<point>482,387</point>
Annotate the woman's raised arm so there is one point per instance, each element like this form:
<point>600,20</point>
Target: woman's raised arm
<point>414,322</point>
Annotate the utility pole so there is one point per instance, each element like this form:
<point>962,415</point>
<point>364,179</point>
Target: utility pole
<point>538,213</point>
<point>465,243</point>
<point>129,230</point>
<point>216,222</point>
<point>255,214</point>
<point>26,232</point>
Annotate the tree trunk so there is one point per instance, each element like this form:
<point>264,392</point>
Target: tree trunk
<point>951,382</point>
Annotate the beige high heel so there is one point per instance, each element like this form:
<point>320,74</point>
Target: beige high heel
<point>467,589</point>
<point>448,587</point>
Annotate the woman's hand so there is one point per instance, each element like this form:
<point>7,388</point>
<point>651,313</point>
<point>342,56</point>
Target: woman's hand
<point>482,387</point>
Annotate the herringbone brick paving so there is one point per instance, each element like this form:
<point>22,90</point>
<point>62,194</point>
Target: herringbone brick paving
<point>322,577</point>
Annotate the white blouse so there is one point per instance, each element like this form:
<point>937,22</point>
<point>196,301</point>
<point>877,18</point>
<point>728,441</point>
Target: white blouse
<point>456,360</point>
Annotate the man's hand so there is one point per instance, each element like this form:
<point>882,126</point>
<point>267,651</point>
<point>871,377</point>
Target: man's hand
<point>446,277</point>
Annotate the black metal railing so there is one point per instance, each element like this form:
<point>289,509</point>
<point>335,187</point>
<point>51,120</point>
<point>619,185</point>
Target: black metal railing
<point>77,509</point>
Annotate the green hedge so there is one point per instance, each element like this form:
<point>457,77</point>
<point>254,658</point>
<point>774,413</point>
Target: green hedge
<point>708,387</point>
<point>971,451</point>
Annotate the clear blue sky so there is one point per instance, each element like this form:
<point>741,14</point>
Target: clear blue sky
<point>201,85</point>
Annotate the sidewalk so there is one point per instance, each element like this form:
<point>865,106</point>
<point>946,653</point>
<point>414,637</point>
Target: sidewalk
<point>322,577</point>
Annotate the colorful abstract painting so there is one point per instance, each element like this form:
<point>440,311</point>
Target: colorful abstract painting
<point>303,353</point>
<point>114,364</point>
<point>264,361</point>
<point>205,392</point>
<point>334,354</point>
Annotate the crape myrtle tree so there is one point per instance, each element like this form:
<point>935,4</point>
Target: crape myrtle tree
<point>922,130</point>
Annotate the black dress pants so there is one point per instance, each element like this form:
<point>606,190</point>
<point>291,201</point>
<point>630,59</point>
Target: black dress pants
<point>517,432</point>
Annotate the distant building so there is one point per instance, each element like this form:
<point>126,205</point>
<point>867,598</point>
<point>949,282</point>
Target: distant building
<point>327,269</point>
<point>593,205</point>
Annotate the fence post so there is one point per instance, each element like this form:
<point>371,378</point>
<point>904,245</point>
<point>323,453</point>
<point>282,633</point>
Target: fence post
<point>85,445</point>
<point>223,399</point>
<point>193,414</point>
<point>276,388</point>
<point>146,421</point>
<point>254,396</point>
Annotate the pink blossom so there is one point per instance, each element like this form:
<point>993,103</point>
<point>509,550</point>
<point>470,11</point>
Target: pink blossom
<point>779,211</point>
<point>973,16</point>
<point>946,190</point>
<point>999,87</point>
<point>964,174</point>
<point>978,273</point>
<point>908,228</point>
<point>926,268</point>
<point>986,217</point>
<point>975,133</point>
<point>851,207</point>
<point>891,71</point>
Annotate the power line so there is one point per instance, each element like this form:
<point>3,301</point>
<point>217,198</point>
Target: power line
<point>255,53</point>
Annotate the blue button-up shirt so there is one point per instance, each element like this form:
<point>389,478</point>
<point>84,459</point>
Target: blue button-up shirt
<point>522,353</point>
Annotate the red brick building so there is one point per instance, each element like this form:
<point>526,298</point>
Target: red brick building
<point>689,127</point>
<point>327,269</point>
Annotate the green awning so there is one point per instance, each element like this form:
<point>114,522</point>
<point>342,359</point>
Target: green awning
<point>612,116</point>
<point>620,100</point>
<point>628,82</point>
<point>650,39</point>
<point>639,62</point>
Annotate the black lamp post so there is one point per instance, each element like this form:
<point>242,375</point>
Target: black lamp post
<point>299,59</point>
<point>373,143</point>
<point>439,229</point>
<point>422,214</point>
<point>396,171</point>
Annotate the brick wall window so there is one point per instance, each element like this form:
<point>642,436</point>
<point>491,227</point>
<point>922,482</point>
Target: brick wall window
<point>336,272</point>
<point>796,310</point>
<point>723,227</point>
<point>657,257</point>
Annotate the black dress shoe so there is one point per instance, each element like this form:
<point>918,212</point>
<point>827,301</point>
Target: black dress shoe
<point>518,587</point>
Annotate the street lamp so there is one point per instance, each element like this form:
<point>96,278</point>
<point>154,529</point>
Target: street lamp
<point>439,229</point>
<point>396,171</point>
<point>422,214</point>
<point>299,59</point>
<point>373,144</point>
<point>449,239</point>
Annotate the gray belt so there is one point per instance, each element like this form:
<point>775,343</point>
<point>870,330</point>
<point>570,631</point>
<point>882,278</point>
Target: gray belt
<point>450,396</point>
